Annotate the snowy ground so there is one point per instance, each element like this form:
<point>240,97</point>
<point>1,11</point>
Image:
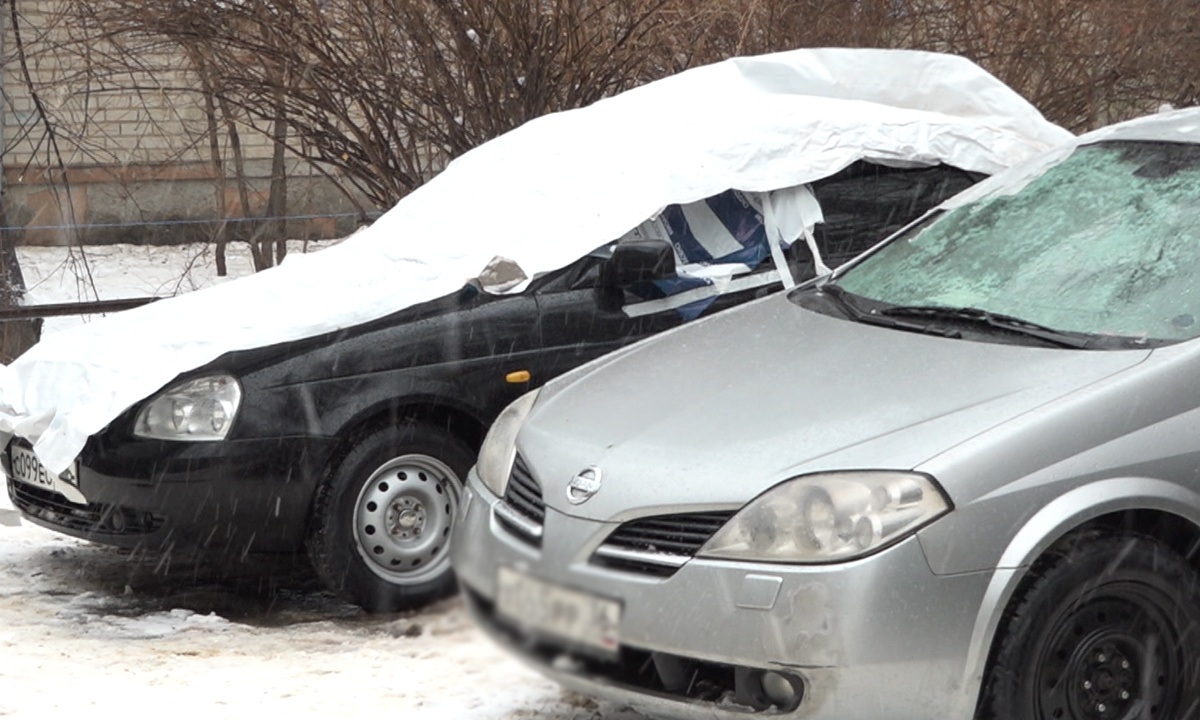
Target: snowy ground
<point>62,275</point>
<point>90,631</point>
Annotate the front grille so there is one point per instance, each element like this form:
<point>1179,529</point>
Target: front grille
<point>93,518</point>
<point>661,544</point>
<point>523,496</point>
<point>524,493</point>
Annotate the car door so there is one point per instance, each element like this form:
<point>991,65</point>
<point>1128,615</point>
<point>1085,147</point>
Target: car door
<point>488,346</point>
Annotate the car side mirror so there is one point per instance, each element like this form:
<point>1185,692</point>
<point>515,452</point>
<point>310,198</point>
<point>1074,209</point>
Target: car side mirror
<point>638,261</point>
<point>634,262</point>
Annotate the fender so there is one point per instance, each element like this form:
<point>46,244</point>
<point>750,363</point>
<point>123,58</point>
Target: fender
<point>1050,524</point>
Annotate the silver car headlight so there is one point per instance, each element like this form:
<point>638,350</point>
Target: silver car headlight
<point>500,446</point>
<point>829,517</point>
<point>198,409</point>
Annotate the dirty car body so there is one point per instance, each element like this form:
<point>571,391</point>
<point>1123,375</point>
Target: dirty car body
<point>354,444</point>
<point>958,477</point>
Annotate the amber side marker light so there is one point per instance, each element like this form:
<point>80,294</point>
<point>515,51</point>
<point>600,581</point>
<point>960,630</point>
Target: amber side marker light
<point>520,376</point>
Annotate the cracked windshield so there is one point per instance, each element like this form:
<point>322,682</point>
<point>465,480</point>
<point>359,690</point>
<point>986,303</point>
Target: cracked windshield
<point>1106,242</point>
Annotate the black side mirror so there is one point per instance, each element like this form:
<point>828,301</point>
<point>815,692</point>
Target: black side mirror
<point>633,262</point>
<point>638,261</point>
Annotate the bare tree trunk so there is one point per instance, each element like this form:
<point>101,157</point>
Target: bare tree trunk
<point>261,261</point>
<point>16,336</point>
<point>220,237</point>
<point>277,200</point>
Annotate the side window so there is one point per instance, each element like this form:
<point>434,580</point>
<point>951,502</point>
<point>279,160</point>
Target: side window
<point>865,203</point>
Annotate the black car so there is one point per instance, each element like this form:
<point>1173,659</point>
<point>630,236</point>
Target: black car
<point>352,445</point>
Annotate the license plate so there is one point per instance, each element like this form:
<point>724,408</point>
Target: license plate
<point>568,614</point>
<point>28,469</point>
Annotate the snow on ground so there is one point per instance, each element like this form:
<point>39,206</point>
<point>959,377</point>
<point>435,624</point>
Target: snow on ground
<point>92,631</point>
<point>110,272</point>
<point>89,631</point>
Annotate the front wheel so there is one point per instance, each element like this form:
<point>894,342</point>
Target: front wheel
<point>381,525</point>
<point>1108,629</point>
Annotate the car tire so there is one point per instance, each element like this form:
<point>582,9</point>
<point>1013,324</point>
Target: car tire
<point>1107,628</point>
<point>381,524</point>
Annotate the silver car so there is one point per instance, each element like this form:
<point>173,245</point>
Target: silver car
<point>958,478</point>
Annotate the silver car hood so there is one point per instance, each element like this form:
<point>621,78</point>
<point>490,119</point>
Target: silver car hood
<point>715,412</point>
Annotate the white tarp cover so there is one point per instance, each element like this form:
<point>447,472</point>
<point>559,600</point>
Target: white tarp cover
<point>543,195</point>
<point>1167,125</point>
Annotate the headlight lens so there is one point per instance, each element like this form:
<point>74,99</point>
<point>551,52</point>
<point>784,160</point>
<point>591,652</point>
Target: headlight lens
<point>199,409</point>
<point>500,446</point>
<point>829,517</point>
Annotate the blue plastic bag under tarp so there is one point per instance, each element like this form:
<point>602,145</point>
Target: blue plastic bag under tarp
<point>724,229</point>
<point>723,236</point>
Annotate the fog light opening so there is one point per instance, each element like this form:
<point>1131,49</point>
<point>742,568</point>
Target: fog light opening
<point>784,691</point>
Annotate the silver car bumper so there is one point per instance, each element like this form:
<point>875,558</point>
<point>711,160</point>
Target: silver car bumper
<point>882,637</point>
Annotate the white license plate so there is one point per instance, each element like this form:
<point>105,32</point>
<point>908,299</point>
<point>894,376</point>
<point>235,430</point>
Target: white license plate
<point>28,469</point>
<point>569,614</point>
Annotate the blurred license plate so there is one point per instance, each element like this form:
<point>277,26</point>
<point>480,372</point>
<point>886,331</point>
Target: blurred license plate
<point>28,469</point>
<point>569,614</point>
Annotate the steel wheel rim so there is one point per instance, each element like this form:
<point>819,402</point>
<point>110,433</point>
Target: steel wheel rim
<point>1116,656</point>
<point>403,516</point>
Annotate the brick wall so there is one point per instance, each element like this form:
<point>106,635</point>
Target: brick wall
<point>160,123</point>
<point>133,157</point>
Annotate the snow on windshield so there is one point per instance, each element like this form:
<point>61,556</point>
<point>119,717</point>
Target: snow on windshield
<point>1106,242</point>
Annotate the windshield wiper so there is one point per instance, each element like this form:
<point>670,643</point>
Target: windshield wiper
<point>999,321</point>
<point>851,310</point>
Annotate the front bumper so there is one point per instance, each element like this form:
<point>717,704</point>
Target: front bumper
<point>878,637</point>
<point>234,496</point>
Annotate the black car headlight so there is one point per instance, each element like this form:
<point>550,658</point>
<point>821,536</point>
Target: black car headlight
<point>829,517</point>
<point>197,409</point>
<point>500,446</point>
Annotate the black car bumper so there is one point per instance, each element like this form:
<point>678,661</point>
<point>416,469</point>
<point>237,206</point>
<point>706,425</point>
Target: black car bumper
<point>231,497</point>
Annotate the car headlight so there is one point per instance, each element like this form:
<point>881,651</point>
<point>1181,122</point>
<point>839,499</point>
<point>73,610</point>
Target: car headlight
<point>829,517</point>
<point>199,409</point>
<point>500,446</point>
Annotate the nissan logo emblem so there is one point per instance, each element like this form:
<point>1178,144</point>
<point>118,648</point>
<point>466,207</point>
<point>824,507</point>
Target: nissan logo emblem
<point>584,485</point>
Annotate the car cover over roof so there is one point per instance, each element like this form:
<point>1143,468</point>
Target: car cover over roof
<point>543,195</point>
<point>1167,125</point>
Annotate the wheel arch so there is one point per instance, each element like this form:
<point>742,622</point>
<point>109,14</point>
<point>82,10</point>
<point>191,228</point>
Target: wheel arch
<point>462,423</point>
<point>458,421</point>
<point>1152,508</point>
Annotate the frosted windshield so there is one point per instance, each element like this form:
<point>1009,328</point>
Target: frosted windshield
<point>1106,242</point>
